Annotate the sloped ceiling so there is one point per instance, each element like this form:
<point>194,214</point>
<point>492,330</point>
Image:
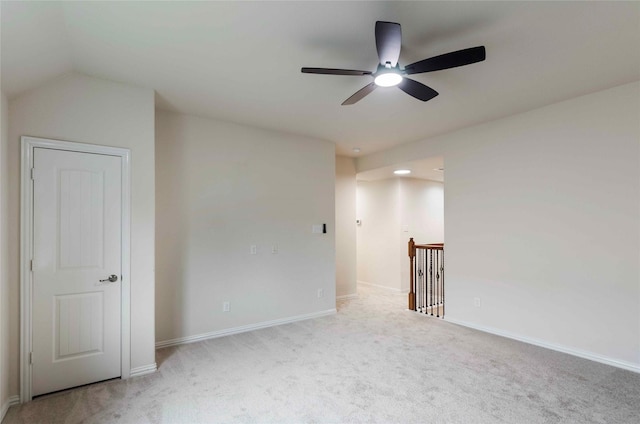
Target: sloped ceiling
<point>240,61</point>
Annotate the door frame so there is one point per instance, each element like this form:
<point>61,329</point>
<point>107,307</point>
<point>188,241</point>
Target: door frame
<point>28,144</point>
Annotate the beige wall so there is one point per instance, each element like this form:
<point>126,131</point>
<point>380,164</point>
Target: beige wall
<point>345,226</point>
<point>543,223</point>
<point>221,188</point>
<point>421,217</point>
<point>4,259</point>
<point>378,235</point>
<point>89,110</point>
<point>392,211</point>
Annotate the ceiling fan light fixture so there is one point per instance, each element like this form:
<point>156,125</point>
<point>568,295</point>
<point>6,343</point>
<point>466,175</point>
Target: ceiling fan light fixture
<point>388,79</point>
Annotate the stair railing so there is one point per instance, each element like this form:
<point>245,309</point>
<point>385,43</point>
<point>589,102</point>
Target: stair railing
<point>426,288</point>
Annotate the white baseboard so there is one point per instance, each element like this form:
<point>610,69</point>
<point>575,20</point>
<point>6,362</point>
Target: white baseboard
<point>242,329</point>
<point>392,289</point>
<point>12,400</point>
<point>347,296</point>
<point>143,370</point>
<point>571,351</point>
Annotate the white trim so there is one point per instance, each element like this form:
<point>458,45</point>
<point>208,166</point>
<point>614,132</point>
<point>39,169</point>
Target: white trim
<point>571,351</point>
<point>143,370</point>
<point>13,400</point>
<point>125,305</point>
<point>26,223</point>
<point>392,289</point>
<point>347,296</point>
<point>242,329</point>
<point>26,241</point>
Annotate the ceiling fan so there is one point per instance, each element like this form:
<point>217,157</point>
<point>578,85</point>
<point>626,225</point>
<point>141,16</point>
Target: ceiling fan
<point>389,74</point>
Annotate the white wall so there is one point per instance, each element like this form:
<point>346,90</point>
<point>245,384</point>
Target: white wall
<point>345,226</point>
<point>421,218</point>
<point>378,235</point>
<point>543,223</point>
<point>222,187</point>
<point>392,211</point>
<point>4,258</point>
<point>89,110</point>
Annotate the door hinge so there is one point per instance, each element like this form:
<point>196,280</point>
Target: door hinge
<point>33,173</point>
<point>30,358</point>
<point>31,265</point>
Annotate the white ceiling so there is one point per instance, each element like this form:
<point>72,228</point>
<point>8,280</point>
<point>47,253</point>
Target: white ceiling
<point>240,61</point>
<point>424,169</point>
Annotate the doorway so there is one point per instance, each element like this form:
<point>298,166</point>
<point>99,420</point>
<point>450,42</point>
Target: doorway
<point>390,210</point>
<point>75,261</point>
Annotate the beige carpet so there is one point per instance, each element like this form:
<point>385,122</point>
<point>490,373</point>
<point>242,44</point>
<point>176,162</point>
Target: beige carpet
<point>372,362</point>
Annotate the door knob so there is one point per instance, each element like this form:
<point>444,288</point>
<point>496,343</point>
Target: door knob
<point>112,279</point>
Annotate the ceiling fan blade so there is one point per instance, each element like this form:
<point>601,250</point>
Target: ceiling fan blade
<point>448,60</point>
<point>417,89</point>
<point>388,42</point>
<point>359,95</point>
<point>331,71</point>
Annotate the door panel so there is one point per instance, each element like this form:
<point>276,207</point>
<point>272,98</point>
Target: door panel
<point>80,219</point>
<point>77,242</point>
<point>78,321</point>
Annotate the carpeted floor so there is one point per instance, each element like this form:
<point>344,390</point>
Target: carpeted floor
<point>373,362</point>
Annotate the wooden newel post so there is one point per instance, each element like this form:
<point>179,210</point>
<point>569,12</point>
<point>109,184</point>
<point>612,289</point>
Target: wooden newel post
<point>412,258</point>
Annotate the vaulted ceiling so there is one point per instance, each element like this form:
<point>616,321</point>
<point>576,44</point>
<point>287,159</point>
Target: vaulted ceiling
<point>240,61</point>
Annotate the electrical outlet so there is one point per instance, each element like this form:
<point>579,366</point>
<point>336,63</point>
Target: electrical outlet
<point>226,307</point>
<point>476,302</point>
<point>253,249</point>
<point>274,249</point>
<point>320,293</point>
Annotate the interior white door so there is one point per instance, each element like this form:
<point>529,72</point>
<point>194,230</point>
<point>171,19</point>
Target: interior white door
<point>76,309</point>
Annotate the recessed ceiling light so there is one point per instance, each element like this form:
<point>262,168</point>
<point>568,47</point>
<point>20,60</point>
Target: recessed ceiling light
<point>356,150</point>
<point>402,171</point>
